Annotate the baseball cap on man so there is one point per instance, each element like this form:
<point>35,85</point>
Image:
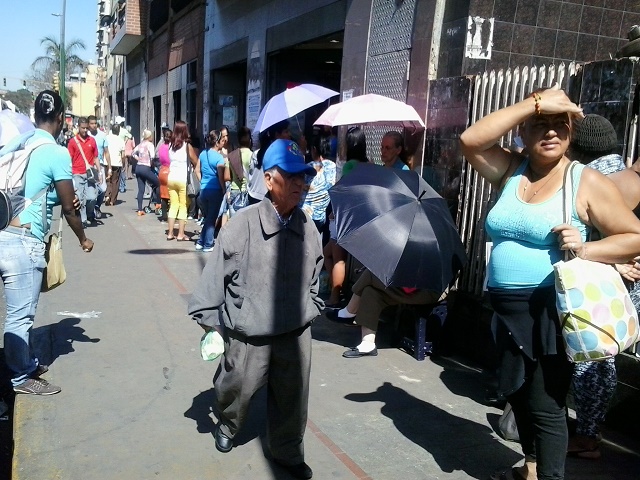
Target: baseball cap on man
<point>164,126</point>
<point>286,155</point>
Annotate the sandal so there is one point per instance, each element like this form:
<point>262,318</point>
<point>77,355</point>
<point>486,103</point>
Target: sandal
<point>183,239</point>
<point>170,238</point>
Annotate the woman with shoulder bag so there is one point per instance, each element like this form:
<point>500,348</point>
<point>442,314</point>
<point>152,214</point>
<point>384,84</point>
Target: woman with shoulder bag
<point>212,189</point>
<point>180,154</point>
<point>237,169</point>
<point>22,247</point>
<point>529,237</point>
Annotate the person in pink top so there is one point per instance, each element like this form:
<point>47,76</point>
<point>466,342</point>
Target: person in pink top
<point>143,154</point>
<point>127,164</point>
<point>163,174</point>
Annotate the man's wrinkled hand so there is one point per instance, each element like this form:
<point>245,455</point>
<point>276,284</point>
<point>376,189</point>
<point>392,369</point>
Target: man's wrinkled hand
<point>76,203</point>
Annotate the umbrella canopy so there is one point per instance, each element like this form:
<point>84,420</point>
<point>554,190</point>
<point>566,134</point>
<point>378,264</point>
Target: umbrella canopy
<point>291,102</point>
<point>398,227</point>
<point>13,124</point>
<point>371,109</point>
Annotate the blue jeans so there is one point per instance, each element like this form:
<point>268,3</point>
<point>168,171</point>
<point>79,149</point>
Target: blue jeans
<point>81,186</point>
<point>210,201</point>
<point>21,266</point>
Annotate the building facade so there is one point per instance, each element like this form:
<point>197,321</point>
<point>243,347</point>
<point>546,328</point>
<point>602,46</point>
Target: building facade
<point>216,63</point>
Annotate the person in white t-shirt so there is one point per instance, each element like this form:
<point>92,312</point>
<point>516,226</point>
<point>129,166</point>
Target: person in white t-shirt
<point>115,146</point>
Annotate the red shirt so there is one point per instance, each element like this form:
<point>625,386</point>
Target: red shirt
<point>90,149</point>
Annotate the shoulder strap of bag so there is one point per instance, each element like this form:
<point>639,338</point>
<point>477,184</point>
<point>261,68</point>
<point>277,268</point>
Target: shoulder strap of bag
<point>60,223</point>
<point>235,161</point>
<point>567,199</point>
<point>43,192</point>
<point>82,152</point>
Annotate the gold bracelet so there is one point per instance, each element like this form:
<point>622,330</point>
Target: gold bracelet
<point>537,98</point>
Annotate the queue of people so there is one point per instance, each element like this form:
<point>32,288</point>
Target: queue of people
<point>290,228</point>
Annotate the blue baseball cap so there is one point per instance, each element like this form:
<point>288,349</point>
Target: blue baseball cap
<point>287,155</point>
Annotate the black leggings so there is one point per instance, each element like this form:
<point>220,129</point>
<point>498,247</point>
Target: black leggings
<point>539,409</point>
<point>144,174</point>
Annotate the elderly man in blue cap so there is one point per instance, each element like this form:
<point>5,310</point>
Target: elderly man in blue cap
<point>260,290</point>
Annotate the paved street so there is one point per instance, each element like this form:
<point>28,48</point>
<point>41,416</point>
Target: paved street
<point>136,396</point>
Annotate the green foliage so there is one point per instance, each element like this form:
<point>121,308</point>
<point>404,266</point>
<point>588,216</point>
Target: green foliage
<point>45,67</point>
<point>23,100</point>
<point>51,59</point>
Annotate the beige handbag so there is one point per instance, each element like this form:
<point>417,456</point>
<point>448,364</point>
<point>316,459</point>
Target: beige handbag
<point>54,273</point>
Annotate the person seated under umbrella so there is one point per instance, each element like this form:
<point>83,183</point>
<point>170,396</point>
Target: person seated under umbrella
<point>393,152</point>
<point>369,298</point>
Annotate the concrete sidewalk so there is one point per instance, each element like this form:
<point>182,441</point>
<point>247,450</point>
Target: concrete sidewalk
<point>136,397</point>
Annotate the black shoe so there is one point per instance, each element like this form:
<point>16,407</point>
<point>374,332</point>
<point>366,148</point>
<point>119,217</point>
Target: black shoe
<point>224,444</point>
<point>355,353</point>
<point>299,470</point>
<point>334,316</point>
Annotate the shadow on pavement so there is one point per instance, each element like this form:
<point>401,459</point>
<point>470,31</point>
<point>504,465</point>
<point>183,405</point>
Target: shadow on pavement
<point>324,330</point>
<point>448,438</point>
<point>63,335</point>
<point>464,381</point>
<point>201,410</point>
<point>160,251</point>
<point>6,420</point>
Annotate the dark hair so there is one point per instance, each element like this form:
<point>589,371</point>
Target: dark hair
<point>115,129</point>
<point>356,144</point>
<point>321,143</point>
<point>92,117</point>
<point>398,140</point>
<point>82,120</point>
<point>48,106</point>
<point>244,137</point>
<point>179,136</point>
<point>213,138</point>
<point>267,137</point>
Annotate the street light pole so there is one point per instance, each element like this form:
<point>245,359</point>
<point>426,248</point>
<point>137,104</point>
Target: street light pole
<point>63,60</point>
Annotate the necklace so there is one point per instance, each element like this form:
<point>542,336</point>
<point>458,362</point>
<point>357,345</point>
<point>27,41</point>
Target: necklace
<point>541,186</point>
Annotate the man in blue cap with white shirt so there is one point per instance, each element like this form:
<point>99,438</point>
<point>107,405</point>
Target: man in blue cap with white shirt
<point>260,291</point>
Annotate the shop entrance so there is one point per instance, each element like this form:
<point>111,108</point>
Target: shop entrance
<point>227,106</point>
<point>317,61</point>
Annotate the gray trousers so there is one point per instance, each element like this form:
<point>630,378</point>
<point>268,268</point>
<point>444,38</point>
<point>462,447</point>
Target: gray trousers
<point>375,297</point>
<point>281,362</point>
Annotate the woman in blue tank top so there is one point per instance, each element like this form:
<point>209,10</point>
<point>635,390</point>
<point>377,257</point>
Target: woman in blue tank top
<point>526,228</point>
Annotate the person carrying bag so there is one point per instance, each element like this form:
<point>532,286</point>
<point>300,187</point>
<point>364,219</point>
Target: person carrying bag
<point>54,273</point>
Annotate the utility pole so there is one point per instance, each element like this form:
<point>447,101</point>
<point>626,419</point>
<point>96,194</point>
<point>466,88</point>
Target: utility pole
<point>63,60</point>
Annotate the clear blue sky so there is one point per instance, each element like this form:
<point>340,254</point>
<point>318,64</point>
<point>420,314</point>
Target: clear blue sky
<point>26,22</point>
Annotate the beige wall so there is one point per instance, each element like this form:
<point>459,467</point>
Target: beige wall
<point>84,101</point>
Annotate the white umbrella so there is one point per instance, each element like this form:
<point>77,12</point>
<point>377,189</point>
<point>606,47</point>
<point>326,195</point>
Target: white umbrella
<point>291,102</point>
<point>13,124</point>
<point>371,109</point>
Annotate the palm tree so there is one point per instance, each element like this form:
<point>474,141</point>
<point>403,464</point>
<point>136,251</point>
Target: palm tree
<point>52,56</point>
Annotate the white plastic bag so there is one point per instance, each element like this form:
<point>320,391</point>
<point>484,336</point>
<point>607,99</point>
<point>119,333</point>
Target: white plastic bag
<point>211,345</point>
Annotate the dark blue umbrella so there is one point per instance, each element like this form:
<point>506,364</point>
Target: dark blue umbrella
<point>398,227</point>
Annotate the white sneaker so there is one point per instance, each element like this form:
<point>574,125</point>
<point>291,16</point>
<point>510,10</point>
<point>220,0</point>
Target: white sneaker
<point>206,250</point>
<point>199,247</point>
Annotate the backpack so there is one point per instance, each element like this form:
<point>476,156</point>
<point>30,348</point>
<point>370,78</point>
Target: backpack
<point>14,159</point>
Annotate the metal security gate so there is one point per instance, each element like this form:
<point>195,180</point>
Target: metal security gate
<point>493,91</point>
<point>388,58</point>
